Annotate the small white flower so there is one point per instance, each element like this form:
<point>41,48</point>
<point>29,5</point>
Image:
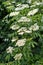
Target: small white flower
<point>14,27</point>
<point>13,39</point>
<point>25,5</point>
<point>18,56</point>
<point>24,19</point>
<point>32,12</point>
<point>6,39</point>
<point>20,42</point>
<point>18,5</point>
<point>28,31</point>
<point>37,3</point>
<point>13,14</point>
<point>23,29</point>
<point>9,49</point>
<point>32,5</point>
<point>34,27</point>
<point>21,33</point>
<point>21,7</point>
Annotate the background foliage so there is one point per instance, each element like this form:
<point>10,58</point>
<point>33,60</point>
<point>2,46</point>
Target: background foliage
<point>33,50</point>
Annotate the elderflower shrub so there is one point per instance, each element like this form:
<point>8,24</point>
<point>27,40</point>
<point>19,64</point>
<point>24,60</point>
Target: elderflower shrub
<point>21,32</point>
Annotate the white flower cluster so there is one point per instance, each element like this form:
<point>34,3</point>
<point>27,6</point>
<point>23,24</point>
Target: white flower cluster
<point>20,42</point>
<point>24,19</point>
<point>21,33</point>
<point>37,3</point>
<point>28,31</point>
<point>32,12</point>
<point>34,27</point>
<point>33,5</point>
<point>13,14</point>
<point>9,49</point>
<point>14,27</point>
<point>18,5</point>
<point>18,56</point>
<point>23,30</point>
<point>14,39</point>
<point>21,7</point>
